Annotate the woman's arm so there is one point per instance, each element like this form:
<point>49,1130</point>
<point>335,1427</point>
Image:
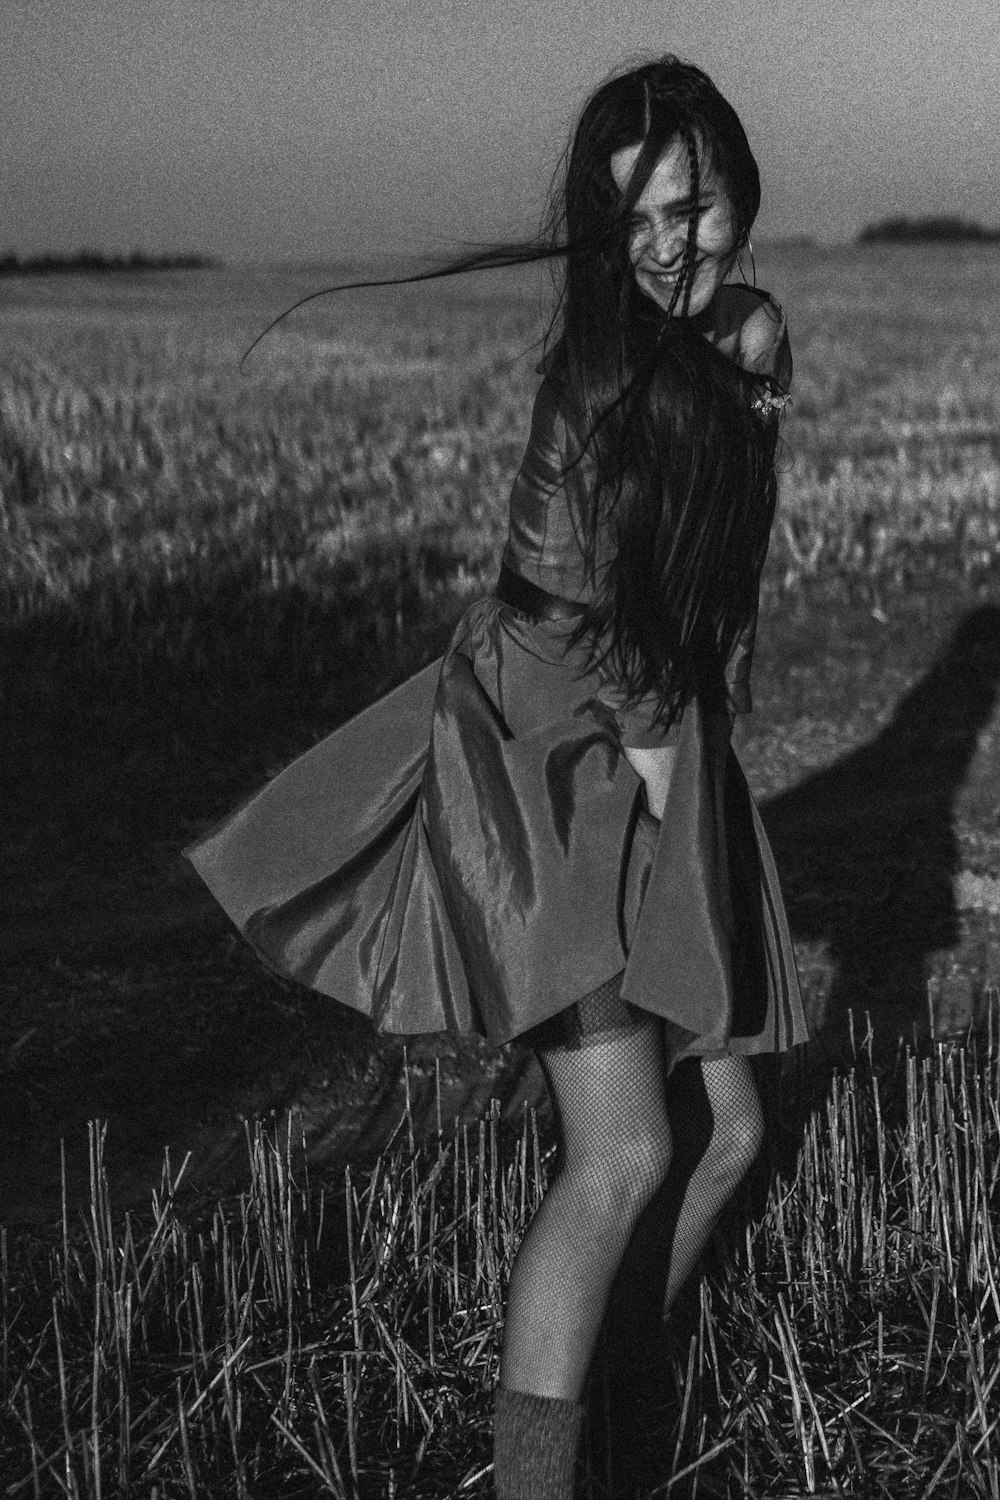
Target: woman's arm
<point>764,343</point>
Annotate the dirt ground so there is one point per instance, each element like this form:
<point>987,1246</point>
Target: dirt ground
<point>874,752</point>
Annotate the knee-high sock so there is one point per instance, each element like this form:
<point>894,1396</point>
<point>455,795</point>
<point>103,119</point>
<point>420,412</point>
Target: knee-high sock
<point>535,1442</point>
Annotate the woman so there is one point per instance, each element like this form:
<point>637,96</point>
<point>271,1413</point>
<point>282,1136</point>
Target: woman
<point>557,843</point>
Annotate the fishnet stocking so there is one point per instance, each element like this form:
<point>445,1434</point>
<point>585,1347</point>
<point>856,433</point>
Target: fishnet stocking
<point>723,1133</point>
<point>614,1152</point>
<point>615,1149</point>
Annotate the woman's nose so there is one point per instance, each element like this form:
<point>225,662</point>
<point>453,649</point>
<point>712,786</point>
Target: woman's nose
<point>667,244</point>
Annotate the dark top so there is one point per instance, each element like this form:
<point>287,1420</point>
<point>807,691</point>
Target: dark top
<point>543,543</point>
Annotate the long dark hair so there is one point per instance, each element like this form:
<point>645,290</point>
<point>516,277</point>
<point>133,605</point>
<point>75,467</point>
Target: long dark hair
<point>675,515</point>
<point>678,515</point>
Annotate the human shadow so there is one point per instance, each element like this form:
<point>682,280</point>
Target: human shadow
<point>868,856</point>
<point>867,849</point>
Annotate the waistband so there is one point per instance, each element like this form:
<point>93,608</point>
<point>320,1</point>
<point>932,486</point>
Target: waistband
<point>528,599</point>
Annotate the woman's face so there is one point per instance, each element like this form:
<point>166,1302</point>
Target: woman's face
<point>659,226</point>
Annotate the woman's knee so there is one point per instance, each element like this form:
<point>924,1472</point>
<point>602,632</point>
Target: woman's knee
<point>649,1157</point>
<point>622,1180</point>
<point>735,1143</point>
<point>733,1115</point>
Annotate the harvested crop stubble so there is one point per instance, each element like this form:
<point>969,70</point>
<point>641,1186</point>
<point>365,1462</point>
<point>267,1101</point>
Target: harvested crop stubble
<point>346,1336</point>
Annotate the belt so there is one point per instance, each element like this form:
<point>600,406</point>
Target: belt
<point>528,599</point>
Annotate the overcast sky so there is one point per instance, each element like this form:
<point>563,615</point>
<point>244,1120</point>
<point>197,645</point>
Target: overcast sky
<point>321,129</point>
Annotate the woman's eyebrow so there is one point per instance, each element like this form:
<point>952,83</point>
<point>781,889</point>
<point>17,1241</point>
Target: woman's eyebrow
<point>673,205</point>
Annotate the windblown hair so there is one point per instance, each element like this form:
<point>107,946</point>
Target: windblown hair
<point>680,496</point>
<point>680,490</point>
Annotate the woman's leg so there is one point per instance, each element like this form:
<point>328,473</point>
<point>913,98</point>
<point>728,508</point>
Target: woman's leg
<point>726,1114</point>
<point>614,1151</point>
<point>715,1118</point>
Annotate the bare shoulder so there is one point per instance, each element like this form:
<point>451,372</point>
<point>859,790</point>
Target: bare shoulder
<point>762,334</point>
<point>756,315</point>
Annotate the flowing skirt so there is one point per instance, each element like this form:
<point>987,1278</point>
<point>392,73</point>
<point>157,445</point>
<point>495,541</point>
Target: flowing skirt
<point>473,853</point>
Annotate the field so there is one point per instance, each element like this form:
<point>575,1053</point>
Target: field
<point>202,572</point>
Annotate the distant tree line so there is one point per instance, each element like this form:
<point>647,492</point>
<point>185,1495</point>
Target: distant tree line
<point>936,228</point>
<point>95,261</point>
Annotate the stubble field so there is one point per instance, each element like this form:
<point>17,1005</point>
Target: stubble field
<point>204,571</point>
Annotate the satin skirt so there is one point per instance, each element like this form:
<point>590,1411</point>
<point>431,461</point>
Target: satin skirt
<point>473,853</point>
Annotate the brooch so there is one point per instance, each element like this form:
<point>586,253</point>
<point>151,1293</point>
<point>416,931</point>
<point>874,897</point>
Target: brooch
<point>769,403</point>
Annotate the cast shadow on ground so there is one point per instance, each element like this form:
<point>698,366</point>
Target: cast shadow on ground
<point>124,996</point>
<point>867,848</point>
<point>868,858</point>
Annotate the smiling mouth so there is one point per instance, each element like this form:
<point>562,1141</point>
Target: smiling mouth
<point>663,275</point>
<point>671,278</point>
<point>666,279</point>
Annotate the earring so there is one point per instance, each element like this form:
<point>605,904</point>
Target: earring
<point>753,264</point>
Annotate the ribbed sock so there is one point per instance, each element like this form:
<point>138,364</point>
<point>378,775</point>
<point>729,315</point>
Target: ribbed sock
<point>535,1441</point>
